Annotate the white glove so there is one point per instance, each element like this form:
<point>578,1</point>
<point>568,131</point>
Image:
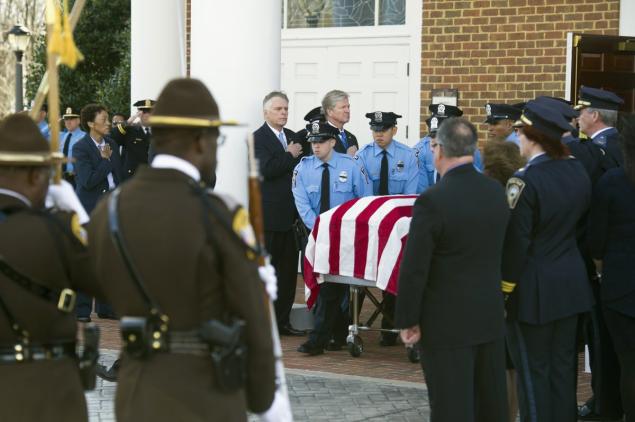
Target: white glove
<point>63,197</point>
<point>268,276</point>
<point>280,410</point>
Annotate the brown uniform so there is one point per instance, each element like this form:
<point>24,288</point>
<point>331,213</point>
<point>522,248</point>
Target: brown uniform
<point>49,253</point>
<point>192,280</point>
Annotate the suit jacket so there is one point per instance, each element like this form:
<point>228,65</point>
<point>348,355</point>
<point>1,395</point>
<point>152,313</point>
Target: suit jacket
<point>612,239</point>
<point>301,138</point>
<point>276,166</point>
<point>450,275</point>
<point>193,278</point>
<point>541,252</point>
<point>135,143</point>
<point>91,171</point>
<point>44,247</point>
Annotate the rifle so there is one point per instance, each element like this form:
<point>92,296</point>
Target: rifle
<point>255,216</point>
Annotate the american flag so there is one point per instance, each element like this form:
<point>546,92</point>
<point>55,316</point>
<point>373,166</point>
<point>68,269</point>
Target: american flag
<point>362,238</point>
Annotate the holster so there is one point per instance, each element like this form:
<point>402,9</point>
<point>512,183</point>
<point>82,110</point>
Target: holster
<point>90,354</point>
<point>301,234</point>
<point>142,336</point>
<point>228,352</point>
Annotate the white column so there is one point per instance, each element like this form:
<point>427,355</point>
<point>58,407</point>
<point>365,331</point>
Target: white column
<point>235,51</point>
<point>157,46</point>
<point>627,12</point>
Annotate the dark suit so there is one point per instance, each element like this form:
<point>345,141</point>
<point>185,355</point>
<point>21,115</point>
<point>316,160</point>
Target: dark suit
<point>135,143</point>
<point>612,239</point>
<point>449,285</point>
<point>47,251</point>
<point>276,166</point>
<point>608,141</point>
<point>193,278</point>
<point>91,179</point>
<point>541,255</point>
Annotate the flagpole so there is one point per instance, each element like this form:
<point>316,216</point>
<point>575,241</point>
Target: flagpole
<point>53,94</point>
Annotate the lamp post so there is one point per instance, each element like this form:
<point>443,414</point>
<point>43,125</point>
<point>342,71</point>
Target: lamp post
<point>18,38</point>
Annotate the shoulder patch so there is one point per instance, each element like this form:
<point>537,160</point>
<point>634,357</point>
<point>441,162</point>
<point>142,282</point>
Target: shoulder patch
<point>78,231</point>
<point>515,187</point>
<point>242,227</point>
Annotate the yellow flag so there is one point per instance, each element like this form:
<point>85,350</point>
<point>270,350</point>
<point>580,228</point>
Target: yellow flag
<point>62,42</point>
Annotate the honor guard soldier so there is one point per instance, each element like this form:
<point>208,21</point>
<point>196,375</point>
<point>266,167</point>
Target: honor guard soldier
<point>546,281</point>
<point>315,114</point>
<point>320,182</point>
<point>68,138</point>
<point>134,138</point>
<point>598,116</point>
<point>196,335</point>
<point>500,120</point>
<point>43,262</point>
<point>392,169</point>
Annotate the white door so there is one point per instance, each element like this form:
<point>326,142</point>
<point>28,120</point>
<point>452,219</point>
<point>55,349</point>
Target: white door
<point>375,75</point>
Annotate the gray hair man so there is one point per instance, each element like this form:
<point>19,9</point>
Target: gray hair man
<point>337,110</point>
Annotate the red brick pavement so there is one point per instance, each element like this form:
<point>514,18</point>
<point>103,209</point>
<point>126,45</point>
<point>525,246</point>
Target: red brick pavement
<point>375,361</point>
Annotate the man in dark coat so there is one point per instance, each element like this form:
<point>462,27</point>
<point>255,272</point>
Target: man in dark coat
<point>134,138</point>
<point>193,260</point>
<point>449,297</point>
<point>38,356</point>
<point>278,155</point>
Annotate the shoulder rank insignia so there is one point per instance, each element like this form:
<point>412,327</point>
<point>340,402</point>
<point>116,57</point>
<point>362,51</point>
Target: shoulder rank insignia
<point>78,231</point>
<point>121,129</point>
<point>515,187</point>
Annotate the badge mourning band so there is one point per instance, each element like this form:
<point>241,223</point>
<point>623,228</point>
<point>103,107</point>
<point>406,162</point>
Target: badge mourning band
<point>343,176</point>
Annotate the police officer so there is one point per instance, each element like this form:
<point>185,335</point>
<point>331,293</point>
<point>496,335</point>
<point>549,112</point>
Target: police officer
<point>545,276</point>
<point>134,138</point>
<point>43,262</point>
<point>68,138</point>
<point>598,116</point>
<point>500,120</point>
<point>322,181</point>
<point>315,114</point>
<point>392,169</point>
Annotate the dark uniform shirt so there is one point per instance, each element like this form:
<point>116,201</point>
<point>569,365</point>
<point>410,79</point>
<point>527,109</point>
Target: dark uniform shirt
<point>135,141</point>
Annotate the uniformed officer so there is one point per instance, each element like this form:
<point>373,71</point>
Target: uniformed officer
<point>500,120</point>
<point>392,169</point>
<point>194,269</point>
<point>315,114</point>
<point>42,264</point>
<point>68,138</point>
<point>134,138</point>
<point>322,181</point>
<point>598,116</point>
<point>544,273</point>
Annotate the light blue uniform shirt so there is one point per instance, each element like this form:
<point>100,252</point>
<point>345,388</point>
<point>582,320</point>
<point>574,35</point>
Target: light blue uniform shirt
<point>347,181</point>
<point>44,129</point>
<point>76,135</point>
<point>513,137</point>
<point>402,167</point>
<point>425,159</point>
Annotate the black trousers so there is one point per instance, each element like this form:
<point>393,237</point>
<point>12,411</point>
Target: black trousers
<point>466,384</point>
<point>282,247</point>
<point>622,331</point>
<point>329,314</point>
<point>543,356</point>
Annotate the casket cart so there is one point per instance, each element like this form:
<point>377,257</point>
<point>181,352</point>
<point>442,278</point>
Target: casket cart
<point>360,243</point>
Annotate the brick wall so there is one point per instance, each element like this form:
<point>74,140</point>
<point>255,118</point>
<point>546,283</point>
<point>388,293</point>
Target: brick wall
<point>503,50</point>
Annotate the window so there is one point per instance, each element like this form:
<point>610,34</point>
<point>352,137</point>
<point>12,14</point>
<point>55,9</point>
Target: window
<point>343,13</point>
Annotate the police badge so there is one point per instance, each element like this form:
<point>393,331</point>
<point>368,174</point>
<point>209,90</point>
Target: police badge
<point>488,109</point>
<point>515,187</point>
<point>378,116</point>
<point>315,128</point>
<point>441,110</point>
<point>343,176</point>
<point>434,123</point>
<point>400,166</point>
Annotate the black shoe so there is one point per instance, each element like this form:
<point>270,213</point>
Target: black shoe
<point>334,346</point>
<point>387,340</point>
<point>288,330</point>
<point>586,413</point>
<point>310,349</point>
<point>107,316</point>
<point>83,319</point>
<point>108,374</point>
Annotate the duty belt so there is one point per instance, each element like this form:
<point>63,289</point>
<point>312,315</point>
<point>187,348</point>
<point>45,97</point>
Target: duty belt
<point>21,353</point>
<point>185,342</point>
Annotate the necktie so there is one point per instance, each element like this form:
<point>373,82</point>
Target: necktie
<point>344,140</point>
<point>325,190</point>
<point>147,129</point>
<point>282,141</point>
<point>67,144</point>
<point>383,174</point>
